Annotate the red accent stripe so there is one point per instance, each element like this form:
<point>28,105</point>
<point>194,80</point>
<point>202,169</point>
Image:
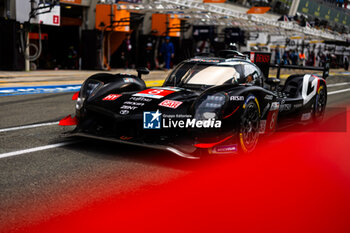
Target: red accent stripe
<point>231,113</point>
<point>75,96</point>
<point>210,145</point>
<point>68,120</point>
<point>318,81</point>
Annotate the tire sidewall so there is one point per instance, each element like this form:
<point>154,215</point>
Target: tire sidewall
<point>244,147</point>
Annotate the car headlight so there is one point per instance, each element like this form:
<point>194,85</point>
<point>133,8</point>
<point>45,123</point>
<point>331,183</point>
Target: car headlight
<point>210,106</point>
<point>88,89</point>
<point>80,102</point>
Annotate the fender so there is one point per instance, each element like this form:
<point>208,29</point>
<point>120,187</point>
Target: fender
<point>116,83</point>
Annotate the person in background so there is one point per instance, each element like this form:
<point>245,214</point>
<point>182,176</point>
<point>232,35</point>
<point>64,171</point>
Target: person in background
<point>285,58</point>
<point>149,54</point>
<point>346,63</point>
<point>277,56</point>
<point>126,52</point>
<point>302,58</point>
<point>340,3</point>
<point>318,58</point>
<point>167,51</point>
<point>294,57</point>
<point>312,56</point>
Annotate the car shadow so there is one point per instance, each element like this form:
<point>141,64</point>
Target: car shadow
<point>120,152</point>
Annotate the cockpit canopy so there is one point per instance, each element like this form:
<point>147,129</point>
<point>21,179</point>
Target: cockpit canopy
<point>214,74</point>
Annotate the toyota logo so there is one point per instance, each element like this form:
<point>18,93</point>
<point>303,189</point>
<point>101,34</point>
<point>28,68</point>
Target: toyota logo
<point>124,112</point>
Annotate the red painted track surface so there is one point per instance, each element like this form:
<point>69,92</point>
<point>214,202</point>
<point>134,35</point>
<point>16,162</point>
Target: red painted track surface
<point>300,185</point>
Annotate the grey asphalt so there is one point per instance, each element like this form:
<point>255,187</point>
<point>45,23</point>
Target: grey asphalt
<point>40,185</point>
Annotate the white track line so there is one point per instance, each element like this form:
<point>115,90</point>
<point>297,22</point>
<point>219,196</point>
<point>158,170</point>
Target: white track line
<point>19,152</point>
<point>339,91</point>
<point>338,84</point>
<point>29,126</point>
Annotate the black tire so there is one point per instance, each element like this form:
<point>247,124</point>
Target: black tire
<point>320,103</point>
<point>249,127</point>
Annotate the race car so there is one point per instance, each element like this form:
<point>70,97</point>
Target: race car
<point>206,106</point>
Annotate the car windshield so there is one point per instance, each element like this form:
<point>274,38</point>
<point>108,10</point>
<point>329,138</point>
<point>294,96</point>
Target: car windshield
<point>202,74</point>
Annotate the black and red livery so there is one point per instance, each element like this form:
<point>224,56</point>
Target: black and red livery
<point>207,105</point>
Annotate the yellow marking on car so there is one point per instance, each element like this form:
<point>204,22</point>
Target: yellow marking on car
<point>244,148</point>
<point>257,103</point>
<point>154,83</point>
<point>319,89</point>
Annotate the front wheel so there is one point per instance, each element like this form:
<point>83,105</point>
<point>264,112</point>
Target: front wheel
<point>249,127</point>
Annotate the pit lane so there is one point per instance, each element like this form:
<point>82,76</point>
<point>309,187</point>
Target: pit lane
<point>41,184</point>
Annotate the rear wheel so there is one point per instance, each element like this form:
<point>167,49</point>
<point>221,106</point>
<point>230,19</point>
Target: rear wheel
<point>249,127</point>
<point>320,103</point>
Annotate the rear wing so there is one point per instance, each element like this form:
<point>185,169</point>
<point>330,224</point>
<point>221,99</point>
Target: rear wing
<point>324,69</point>
<point>262,60</point>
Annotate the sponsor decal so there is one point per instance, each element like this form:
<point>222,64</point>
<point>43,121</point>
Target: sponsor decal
<point>306,116</point>
<point>225,149</point>
<point>152,120</point>
<point>263,58</point>
<point>155,120</point>
<point>271,120</point>
<point>134,103</point>
<point>154,93</point>
<point>262,127</point>
<point>236,98</point>
<point>268,97</point>
<point>111,97</point>
<point>128,80</point>
<point>142,99</point>
<point>298,105</point>
<point>274,106</point>
<point>252,56</point>
<point>285,107</point>
<point>209,115</point>
<point>124,112</point>
<point>170,103</point>
<point>127,107</point>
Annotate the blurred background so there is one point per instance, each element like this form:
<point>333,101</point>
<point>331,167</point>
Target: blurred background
<point>105,34</point>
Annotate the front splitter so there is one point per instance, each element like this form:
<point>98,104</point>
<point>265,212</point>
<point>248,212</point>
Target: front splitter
<point>159,147</point>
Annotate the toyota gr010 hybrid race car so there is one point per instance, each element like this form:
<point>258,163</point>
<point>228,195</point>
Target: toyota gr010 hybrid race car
<point>207,105</point>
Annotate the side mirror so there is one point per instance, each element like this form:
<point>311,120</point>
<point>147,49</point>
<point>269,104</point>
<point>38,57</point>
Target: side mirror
<point>273,82</point>
<point>141,71</point>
